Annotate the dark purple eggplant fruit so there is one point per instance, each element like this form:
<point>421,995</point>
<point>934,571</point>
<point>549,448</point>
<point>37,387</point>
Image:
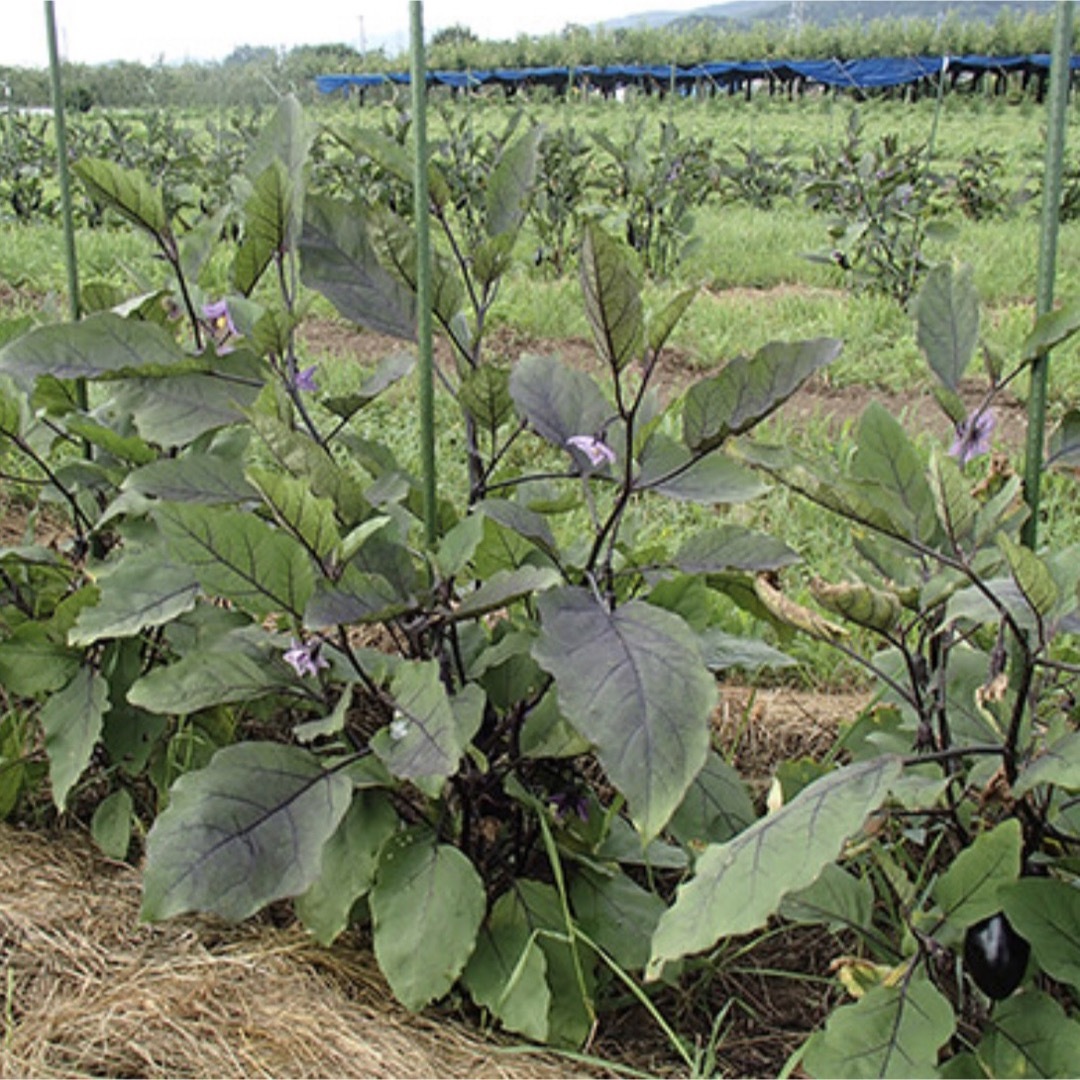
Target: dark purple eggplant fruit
<point>995,956</point>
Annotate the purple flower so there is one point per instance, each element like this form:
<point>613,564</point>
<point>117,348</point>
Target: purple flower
<point>565,803</point>
<point>596,450</point>
<point>973,436</point>
<point>306,658</point>
<point>305,380</point>
<point>217,314</point>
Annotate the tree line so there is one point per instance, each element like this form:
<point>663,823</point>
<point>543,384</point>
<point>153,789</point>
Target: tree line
<point>253,76</point>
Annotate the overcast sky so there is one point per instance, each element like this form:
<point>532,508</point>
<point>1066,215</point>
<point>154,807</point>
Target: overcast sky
<point>97,31</point>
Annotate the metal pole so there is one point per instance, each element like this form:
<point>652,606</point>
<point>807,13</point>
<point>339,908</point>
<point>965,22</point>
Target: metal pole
<point>1044,289</point>
<point>423,269</point>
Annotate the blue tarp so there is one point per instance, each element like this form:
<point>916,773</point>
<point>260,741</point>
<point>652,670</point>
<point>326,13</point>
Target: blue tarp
<point>870,74</point>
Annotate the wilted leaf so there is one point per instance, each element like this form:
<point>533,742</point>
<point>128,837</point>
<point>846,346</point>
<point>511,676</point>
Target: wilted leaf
<point>246,830</point>
<point>633,683</point>
<point>877,609</point>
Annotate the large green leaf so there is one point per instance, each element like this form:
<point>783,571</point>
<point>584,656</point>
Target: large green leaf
<point>1064,446</point>
<point>337,259</point>
<point>427,905</point>
<point>716,807</point>
<point>423,742</point>
<point>33,662</point>
<point>669,468</point>
<point>239,557</point>
<point>1046,913</point>
<point>307,516</point>
<point>836,899</point>
<point>748,390</point>
<point>739,884</point>
<point>617,914</point>
<point>1032,578</point>
<point>633,683</point>
<point>721,650</point>
<point>126,191</point>
<point>203,679</point>
<point>506,586</point>
<point>356,597</point>
<point>572,1016</point>
<point>511,182</point>
<point>893,1031</point>
<point>267,215</point>
<point>732,547</point>
<point>144,589</point>
<point>390,369</point>
<point>195,477</point>
<point>99,345</point>
<point>891,473</point>
<point>246,830</point>
<point>947,320</point>
<point>71,720</point>
<point>350,857</point>
<point>1058,764</point>
<point>485,395</point>
<point>557,401</point>
<point>506,973</point>
<point>175,410</point>
<point>1051,329</point>
<point>611,284</point>
<point>968,891</point>
<point>1031,1035</point>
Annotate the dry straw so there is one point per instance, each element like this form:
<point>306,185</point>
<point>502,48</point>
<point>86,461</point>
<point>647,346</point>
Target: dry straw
<point>85,990</point>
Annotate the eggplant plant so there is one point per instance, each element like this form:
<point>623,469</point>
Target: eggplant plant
<point>506,790</point>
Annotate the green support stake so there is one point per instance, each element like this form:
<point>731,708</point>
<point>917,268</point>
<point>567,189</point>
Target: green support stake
<point>62,163</point>
<point>1044,289</point>
<point>418,79</point>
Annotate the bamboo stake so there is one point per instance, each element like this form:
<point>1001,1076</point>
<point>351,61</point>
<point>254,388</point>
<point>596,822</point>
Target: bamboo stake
<point>1044,290</point>
<point>423,269</point>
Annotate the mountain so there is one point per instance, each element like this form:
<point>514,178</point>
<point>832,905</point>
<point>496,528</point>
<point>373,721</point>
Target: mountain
<point>743,13</point>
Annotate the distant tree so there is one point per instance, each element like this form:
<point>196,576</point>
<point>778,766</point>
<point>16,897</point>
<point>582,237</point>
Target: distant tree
<point>453,35</point>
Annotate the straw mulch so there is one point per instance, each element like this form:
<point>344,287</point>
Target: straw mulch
<point>86,990</point>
